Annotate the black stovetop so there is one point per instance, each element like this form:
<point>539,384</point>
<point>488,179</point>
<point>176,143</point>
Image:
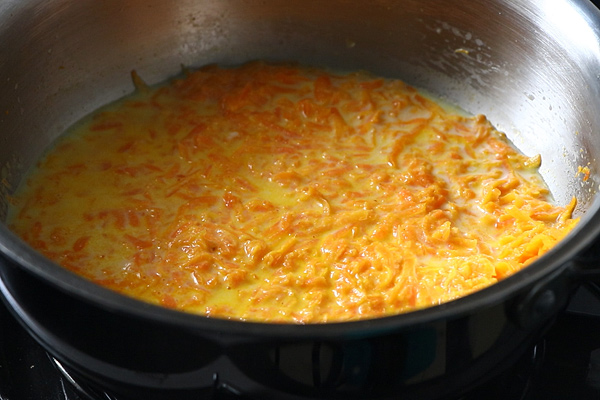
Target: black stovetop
<point>564,365</point>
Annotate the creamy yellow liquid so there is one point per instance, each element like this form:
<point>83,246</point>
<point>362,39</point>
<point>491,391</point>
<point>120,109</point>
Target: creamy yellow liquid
<point>291,194</point>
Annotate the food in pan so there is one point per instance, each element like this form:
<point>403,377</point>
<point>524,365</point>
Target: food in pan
<point>285,193</point>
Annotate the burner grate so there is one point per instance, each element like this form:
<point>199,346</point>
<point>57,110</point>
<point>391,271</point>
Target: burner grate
<point>567,366</point>
<point>86,392</point>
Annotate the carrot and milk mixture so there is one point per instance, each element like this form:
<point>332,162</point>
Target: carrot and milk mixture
<point>285,193</point>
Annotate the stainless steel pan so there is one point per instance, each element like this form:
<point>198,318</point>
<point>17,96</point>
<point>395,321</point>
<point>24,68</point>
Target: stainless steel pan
<point>533,67</point>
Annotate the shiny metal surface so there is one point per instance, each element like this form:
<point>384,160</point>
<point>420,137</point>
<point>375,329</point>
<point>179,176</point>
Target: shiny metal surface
<point>533,67</point>
<point>530,66</point>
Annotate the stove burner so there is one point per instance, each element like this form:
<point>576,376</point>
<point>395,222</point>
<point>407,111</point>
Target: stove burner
<point>564,365</point>
<point>517,383</point>
<point>84,391</point>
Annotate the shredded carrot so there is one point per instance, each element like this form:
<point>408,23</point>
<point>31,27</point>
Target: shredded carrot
<point>287,193</point>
